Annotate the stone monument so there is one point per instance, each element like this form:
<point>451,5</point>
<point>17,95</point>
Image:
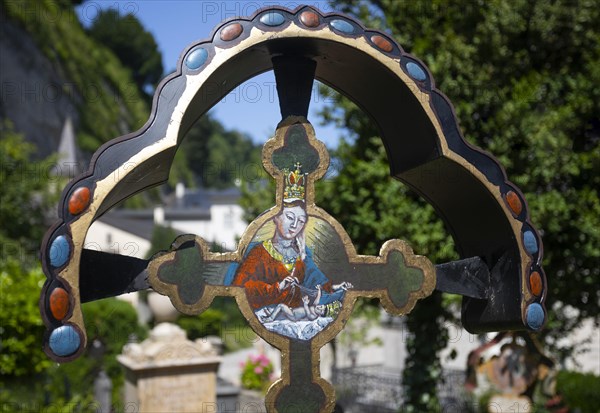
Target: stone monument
<point>168,373</point>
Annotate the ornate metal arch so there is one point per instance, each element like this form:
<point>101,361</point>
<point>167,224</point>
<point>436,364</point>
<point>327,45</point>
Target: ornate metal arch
<point>500,275</point>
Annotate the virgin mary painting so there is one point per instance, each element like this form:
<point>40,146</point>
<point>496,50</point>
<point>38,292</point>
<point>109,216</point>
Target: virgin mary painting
<point>288,292</point>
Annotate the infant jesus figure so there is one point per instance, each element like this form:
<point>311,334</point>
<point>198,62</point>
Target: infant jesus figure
<point>306,312</point>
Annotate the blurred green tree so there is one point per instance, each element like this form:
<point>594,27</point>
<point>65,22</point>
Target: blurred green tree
<point>22,328</point>
<point>218,157</point>
<point>29,191</point>
<point>162,237</point>
<point>132,43</point>
<point>523,78</point>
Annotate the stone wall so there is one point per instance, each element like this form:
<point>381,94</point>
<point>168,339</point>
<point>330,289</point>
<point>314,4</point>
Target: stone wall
<point>33,93</point>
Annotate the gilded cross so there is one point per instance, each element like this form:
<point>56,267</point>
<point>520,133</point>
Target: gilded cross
<point>301,304</point>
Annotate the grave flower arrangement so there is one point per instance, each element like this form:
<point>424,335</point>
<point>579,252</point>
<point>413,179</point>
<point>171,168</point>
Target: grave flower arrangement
<point>257,372</point>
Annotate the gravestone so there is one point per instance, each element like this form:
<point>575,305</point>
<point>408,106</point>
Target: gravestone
<point>169,373</point>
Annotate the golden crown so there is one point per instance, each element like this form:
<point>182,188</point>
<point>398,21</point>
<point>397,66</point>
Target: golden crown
<point>295,182</point>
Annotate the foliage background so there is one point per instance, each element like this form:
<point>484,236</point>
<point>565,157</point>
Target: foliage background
<point>29,380</point>
<point>123,73</point>
<point>523,77</point>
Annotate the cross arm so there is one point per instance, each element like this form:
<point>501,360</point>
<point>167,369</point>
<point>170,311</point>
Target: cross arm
<point>106,275</point>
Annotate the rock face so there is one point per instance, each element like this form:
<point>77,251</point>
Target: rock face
<point>34,94</point>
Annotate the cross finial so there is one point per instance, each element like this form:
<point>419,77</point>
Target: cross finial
<point>295,275</point>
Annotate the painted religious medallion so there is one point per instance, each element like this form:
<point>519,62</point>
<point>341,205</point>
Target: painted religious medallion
<point>295,274</point>
<point>280,271</point>
<point>295,269</point>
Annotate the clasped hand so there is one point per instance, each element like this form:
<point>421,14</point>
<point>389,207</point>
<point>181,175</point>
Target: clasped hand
<point>287,282</point>
<point>342,286</point>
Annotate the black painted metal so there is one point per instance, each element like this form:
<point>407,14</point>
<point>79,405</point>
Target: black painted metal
<point>501,306</point>
<point>469,278</point>
<point>107,275</point>
<point>294,76</point>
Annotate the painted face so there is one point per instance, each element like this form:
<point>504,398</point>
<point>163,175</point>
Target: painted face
<point>320,309</point>
<point>290,222</point>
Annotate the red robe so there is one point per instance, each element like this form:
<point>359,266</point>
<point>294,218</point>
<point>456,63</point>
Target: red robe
<point>260,274</point>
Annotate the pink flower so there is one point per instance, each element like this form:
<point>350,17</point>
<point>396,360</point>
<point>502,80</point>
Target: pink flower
<point>258,370</point>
